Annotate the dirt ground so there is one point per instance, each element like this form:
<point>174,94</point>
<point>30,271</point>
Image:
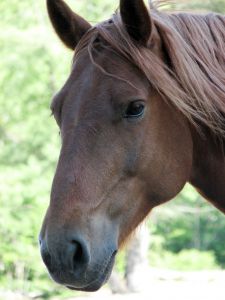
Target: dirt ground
<point>168,285</point>
<point>168,291</point>
<point>162,286</point>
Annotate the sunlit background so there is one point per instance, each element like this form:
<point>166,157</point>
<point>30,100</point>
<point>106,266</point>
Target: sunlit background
<point>183,237</point>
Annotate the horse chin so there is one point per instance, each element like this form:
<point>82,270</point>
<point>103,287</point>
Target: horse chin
<point>101,279</point>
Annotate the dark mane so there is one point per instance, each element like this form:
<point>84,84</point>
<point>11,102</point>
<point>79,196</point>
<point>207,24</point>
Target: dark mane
<point>193,78</point>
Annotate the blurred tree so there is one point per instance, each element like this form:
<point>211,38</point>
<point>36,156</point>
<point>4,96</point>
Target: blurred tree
<point>137,261</point>
<point>196,5</point>
<point>189,222</point>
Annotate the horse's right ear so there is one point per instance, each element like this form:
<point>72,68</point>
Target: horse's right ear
<point>137,20</point>
<point>69,26</point>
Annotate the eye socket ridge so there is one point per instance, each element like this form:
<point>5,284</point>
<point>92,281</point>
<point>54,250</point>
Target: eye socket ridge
<point>135,109</point>
<point>57,106</point>
<point>56,113</point>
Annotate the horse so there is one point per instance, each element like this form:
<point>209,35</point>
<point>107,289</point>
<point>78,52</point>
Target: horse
<point>141,114</point>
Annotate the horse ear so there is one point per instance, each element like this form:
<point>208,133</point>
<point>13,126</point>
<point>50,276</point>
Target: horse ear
<point>69,26</point>
<point>136,19</point>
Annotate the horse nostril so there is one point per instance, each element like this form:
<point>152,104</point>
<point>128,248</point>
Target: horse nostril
<point>78,253</point>
<point>81,254</point>
<point>66,260</point>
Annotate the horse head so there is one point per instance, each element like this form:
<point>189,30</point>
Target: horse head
<point>124,148</point>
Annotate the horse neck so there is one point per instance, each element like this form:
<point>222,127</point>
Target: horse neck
<point>208,171</point>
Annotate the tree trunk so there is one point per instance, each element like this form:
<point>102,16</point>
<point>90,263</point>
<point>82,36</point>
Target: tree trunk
<point>137,266</point>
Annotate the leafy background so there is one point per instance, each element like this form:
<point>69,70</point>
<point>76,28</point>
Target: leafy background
<point>187,233</point>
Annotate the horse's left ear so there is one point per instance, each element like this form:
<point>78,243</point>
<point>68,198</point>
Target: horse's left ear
<point>136,19</point>
<point>68,25</point>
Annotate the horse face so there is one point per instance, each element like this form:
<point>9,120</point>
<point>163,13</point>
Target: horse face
<point>119,158</point>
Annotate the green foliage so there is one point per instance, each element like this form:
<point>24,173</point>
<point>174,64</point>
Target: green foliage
<point>186,260</point>
<point>206,5</point>
<point>189,222</point>
<point>121,262</point>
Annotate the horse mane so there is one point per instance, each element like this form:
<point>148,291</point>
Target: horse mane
<point>193,76</point>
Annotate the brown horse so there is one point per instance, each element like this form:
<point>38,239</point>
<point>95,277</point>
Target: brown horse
<point>141,114</point>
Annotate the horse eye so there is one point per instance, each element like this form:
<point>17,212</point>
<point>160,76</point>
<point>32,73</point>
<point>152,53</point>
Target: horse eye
<point>135,109</point>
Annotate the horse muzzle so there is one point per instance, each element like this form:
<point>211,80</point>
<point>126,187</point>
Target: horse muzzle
<point>74,264</point>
